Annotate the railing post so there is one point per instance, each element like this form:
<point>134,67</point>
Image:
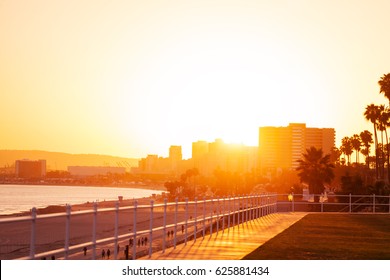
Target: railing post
<point>67,231</point>
<point>276,203</point>
<point>229,212</point>
<point>94,224</point>
<point>243,210</point>
<point>262,205</point>
<point>268,206</point>
<point>195,219</point>
<point>135,230</point>
<point>175,232</point>
<point>238,213</point>
<point>234,211</point>
<point>251,213</point>
<point>223,214</point>
<point>151,228</point>
<point>350,203</point>
<point>186,223</point>
<point>255,207</point>
<point>116,230</point>
<point>164,225</point>
<point>204,217</point>
<point>293,202</point>
<point>211,217</point>
<point>373,203</point>
<point>247,209</point>
<point>33,225</point>
<point>217,215</point>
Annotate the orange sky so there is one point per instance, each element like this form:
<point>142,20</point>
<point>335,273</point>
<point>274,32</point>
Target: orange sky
<point>130,78</point>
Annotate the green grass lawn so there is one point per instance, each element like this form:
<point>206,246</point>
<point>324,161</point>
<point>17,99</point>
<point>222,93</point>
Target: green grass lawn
<point>330,237</point>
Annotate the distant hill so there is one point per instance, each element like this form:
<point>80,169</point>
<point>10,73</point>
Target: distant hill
<point>61,161</point>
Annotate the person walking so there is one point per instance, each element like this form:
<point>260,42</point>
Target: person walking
<point>85,250</point>
<point>103,254</point>
<point>108,253</point>
<point>127,252</point>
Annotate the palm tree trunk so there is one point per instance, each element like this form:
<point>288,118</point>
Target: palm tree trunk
<point>367,158</point>
<point>387,156</point>
<point>382,158</point>
<point>376,153</point>
<point>357,155</point>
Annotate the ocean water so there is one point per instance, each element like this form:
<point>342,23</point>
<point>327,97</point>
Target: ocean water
<point>20,198</point>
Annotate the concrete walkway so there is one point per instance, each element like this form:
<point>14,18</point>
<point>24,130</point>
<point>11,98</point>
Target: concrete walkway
<point>232,244</point>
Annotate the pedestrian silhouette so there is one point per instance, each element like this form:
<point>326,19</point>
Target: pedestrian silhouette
<point>127,252</point>
<point>139,242</point>
<point>182,228</point>
<point>142,241</point>
<point>108,253</point>
<point>169,233</point>
<point>85,251</point>
<point>103,254</point>
<point>172,233</point>
<point>146,241</point>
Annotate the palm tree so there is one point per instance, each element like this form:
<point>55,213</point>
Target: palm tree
<point>366,138</point>
<point>384,84</point>
<point>315,170</point>
<point>356,143</point>
<point>383,123</point>
<point>335,156</point>
<point>372,114</point>
<point>346,148</point>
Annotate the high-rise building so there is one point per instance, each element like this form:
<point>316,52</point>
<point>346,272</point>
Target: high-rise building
<point>199,149</point>
<point>175,158</point>
<point>281,147</point>
<point>175,153</point>
<point>218,155</point>
<point>30,168</point>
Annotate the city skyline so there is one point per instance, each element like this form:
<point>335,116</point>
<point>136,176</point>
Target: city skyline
<point>130,79</point>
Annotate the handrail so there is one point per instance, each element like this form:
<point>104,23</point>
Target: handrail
<point>243,208</point>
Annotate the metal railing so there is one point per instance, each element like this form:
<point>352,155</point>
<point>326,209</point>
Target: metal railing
<point>138,230</point>
<point>333,203</point>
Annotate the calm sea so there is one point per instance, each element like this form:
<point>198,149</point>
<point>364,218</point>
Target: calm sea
<point>19,198</point>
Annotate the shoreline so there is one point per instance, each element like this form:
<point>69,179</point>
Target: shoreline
<point>53,209</point>
<point>129,185</point>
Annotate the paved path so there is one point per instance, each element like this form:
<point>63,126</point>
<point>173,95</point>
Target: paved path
<point>231,244</point>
